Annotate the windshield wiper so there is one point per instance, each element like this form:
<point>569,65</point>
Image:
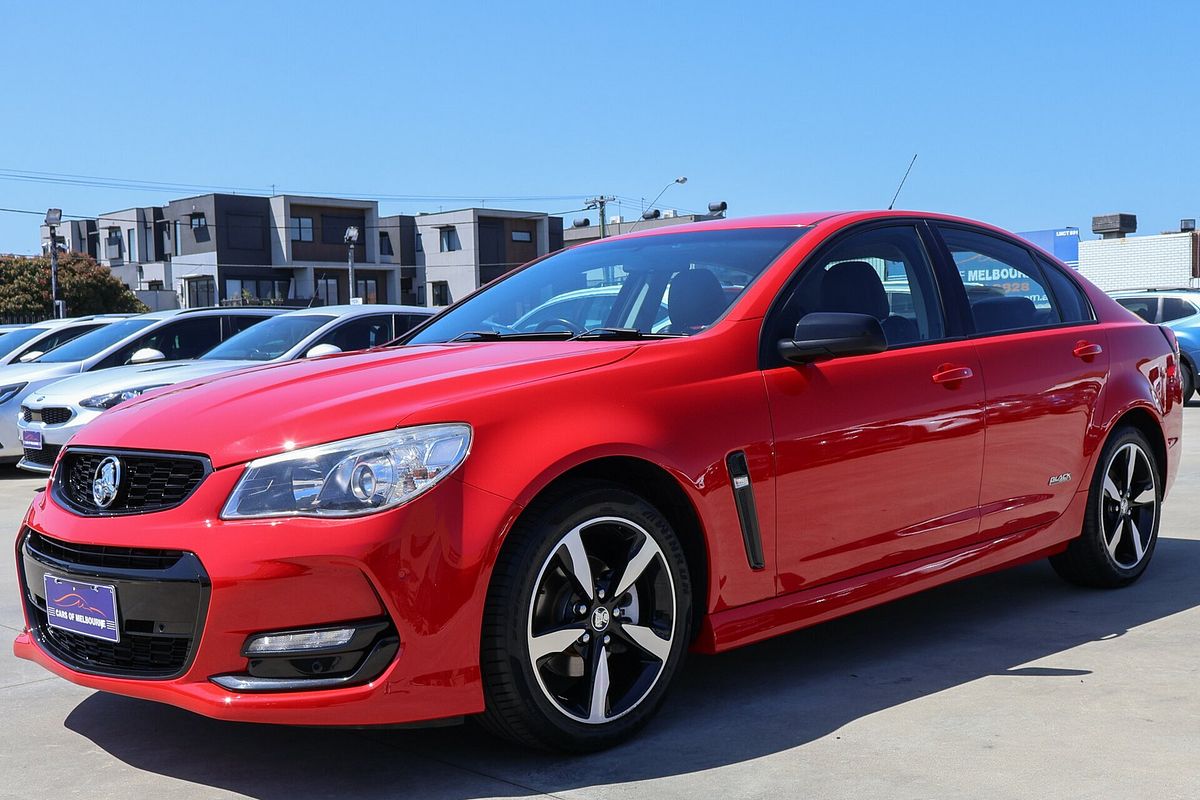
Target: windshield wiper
<point>496,336</point>
<point>619,334</point>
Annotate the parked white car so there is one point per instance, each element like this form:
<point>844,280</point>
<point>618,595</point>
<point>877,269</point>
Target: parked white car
<point>24,343</point>
<point>157,336</point>
<point>53,414</point>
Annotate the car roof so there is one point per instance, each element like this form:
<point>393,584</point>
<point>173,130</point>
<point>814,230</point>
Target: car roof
<point>208,311</point>
<point>1156,292</point>
<point>346,310</point>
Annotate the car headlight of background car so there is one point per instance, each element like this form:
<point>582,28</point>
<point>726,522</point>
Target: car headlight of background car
<point>12,390</point>
<point>352,477</point>
<point>109,399</point>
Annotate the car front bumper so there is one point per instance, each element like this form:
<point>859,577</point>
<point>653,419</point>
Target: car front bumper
<point>421,568</point>
<point>54,436</point>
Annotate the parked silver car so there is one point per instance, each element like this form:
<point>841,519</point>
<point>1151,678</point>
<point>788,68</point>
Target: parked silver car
<point>52,415</point>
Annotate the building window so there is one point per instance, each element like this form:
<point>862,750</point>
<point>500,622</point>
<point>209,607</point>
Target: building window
<point>367,289</point>
<point>385,244</point>
<point>327,291</point>
<point>201,292</point>
<point>448,239</point>
<point>302,229</point>
<point>199,221</point>
<point>178,238</point>
<point>522,236</point>
<point>441,292</point>
<point>131,243</point>
<point>417,239</point>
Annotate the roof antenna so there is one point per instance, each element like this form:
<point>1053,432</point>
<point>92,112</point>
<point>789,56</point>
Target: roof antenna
<point>902,180</point>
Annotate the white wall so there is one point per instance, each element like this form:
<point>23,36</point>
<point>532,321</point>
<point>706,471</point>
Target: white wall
<point>1138,262</point>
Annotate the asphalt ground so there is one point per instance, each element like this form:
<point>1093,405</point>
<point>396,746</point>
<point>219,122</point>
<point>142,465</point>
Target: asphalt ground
<point>1010,685</point>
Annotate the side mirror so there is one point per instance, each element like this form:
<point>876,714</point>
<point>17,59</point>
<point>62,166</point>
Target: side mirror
<point>30,356</point>
<point>821,335</point>
<point>146,355</point>
<point>322,350</point>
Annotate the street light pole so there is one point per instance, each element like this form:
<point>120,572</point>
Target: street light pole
<point>53,218</point>
<point>682,179</point>
<point>351,240</point>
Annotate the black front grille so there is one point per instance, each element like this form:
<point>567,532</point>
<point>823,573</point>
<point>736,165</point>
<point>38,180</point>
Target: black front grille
<point>161,597</point>
<point>54,415</point>
<point>44,457</point>
<point>149,481</point>
<point>135,654</point>
<point>91,555</point>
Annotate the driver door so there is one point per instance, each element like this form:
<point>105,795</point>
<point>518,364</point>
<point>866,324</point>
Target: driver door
<point>878,457</point>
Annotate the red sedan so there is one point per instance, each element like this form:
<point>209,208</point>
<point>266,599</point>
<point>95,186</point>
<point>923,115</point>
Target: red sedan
<point>534,525</point>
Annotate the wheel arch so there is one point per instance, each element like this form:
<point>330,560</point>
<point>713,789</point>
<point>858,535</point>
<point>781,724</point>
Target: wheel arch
<point>657,486</point>
<point>1143,420</point>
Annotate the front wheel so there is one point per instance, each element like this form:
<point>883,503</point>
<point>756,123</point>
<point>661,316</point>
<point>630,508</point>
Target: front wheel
<point>1120,527</point>
<point>587,620</point>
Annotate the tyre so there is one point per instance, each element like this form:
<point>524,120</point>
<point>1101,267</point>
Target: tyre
<point>1188,378</point>
<point>1120,527</point>
<point>587,621</point>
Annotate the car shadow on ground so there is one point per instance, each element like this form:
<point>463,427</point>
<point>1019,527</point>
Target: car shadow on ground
<point>726,709</point>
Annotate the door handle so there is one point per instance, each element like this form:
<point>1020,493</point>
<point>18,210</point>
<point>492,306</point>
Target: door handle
<point>1086,350</point>
<point>951,373</point>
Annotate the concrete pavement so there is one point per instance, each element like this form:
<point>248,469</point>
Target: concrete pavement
<point>1011,685</point>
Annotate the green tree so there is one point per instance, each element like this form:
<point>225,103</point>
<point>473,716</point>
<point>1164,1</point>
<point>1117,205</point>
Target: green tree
<point>87,287</point>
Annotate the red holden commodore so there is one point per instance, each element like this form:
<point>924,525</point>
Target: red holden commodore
<point>695,437</point>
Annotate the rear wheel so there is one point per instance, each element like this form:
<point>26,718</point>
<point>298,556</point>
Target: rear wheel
<point>587,621</point>
<point>1187,377</point>
<point>1120,527</point>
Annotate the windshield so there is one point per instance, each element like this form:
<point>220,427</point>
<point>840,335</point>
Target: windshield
<point>671,284</point>
<point>11,340</point>
<point>95,342</point>
<point>268,340</point>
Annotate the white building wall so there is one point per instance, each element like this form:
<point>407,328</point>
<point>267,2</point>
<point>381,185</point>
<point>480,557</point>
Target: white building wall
<point>1138,262</point>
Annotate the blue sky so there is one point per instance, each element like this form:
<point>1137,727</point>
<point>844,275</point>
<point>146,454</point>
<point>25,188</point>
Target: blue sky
<point>1028,115</point>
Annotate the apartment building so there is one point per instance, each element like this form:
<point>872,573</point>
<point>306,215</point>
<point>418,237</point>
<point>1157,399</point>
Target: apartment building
<point>224,248</point>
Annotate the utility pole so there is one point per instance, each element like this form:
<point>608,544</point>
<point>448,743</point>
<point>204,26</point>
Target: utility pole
<point>599,203</point>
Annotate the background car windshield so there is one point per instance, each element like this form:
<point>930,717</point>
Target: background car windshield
<point>92,343</point>
<point>14,339</point>
<point>694,276</point>
<point>268,340</point>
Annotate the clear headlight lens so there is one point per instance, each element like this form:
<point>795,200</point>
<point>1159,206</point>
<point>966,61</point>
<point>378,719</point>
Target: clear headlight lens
<point>106,401</point>
<point>12,390</point>
<point>351,477</point>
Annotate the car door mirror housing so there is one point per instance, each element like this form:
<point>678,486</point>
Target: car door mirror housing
<point>824,334</point>
<point>30,356</point>
<point>146,355</point>
<point>322,350</point>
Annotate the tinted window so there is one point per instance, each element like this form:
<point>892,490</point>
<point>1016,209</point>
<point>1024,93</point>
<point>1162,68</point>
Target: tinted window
<point>360,333</point>
<point>1004,285</point>
<point>61,336</point>
<point>95,342</point>
<point>1073,305</point>
<point>696,275</point>
<point>1176,308</point>
<point>178,339</point>
<point>270,340</point>
<point>884,273</point>
<point>1144,307</point>
<point>14,339</point>
<point>236,324</point>
<point>406,322</point>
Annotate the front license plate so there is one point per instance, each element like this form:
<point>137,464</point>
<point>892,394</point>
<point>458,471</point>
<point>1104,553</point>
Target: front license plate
<point>84,608</point>
<point>31,439</point>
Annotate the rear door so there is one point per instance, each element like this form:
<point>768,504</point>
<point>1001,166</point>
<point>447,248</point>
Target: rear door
<point>1045,362</point>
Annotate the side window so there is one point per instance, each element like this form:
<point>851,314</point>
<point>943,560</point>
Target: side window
<point>884,273</point>
<point>1176,308</point>
<point>1004,284</point>
<point>182,339</point>
<point>1144,307</point>
<point>1073,305</point>
<point>59,337</point>
<point>240,322</point>
<point>406,322</point>
<point>360,333</point>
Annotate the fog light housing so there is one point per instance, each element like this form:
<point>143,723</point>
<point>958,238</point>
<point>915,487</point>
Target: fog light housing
<point>298,641</point>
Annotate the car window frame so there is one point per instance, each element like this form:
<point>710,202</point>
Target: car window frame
<point>964,303</point>
<point>1161,316</point>
<point>1064,272</point>
<point>768,352</point>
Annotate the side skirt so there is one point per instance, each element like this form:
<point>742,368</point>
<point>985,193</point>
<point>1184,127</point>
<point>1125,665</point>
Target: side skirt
<point>736,627</point>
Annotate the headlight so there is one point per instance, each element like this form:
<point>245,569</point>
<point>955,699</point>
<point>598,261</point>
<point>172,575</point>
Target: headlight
<point>110,399</point>
<point>351,477</point>
<point>12,390</point>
